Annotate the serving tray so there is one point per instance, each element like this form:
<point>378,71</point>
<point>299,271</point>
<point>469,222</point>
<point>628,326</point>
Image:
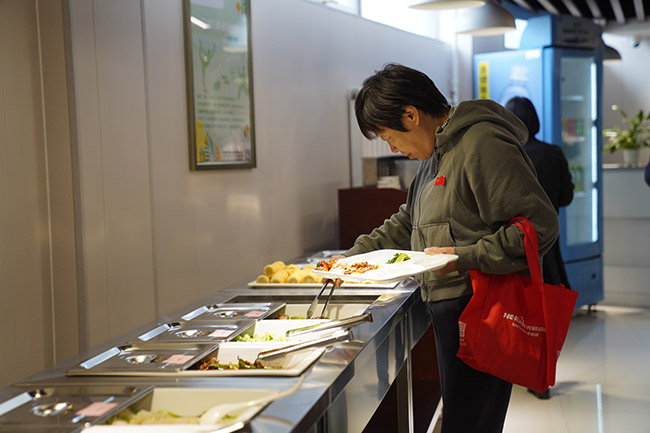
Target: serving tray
<point>389,273</point>
<point>178,359</point>
<point>293,365</point>
<point>346,284</point>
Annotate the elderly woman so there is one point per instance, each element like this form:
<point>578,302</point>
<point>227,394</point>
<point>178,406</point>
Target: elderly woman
<point>473,179</point>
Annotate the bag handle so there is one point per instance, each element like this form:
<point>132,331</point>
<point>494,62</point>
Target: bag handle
<point>532,254</point>
<point>531,246</point>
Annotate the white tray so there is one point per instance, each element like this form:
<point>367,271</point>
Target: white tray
<point>350,285</point>
<point>293,365</point>
<point>389,273</point>
<point>190,403</point>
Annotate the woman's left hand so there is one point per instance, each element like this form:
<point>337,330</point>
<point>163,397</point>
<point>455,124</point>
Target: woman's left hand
<point>449,267</point>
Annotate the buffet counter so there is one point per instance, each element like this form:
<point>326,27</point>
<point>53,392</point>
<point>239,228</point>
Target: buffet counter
<point>339,392</point>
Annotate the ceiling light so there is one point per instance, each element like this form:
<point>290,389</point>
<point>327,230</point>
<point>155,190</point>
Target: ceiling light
<point>444,4</point>
<point>610,55</point>
<point>487,20</point>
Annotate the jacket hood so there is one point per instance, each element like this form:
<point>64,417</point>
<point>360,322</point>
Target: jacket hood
<point>469,113</point>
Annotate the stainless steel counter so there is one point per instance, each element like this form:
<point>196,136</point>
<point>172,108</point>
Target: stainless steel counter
<point>341,390</point>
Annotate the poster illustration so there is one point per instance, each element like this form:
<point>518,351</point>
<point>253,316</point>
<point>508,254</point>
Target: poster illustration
<point>219,84</point>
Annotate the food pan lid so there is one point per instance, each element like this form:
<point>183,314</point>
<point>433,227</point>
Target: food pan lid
<point>194,331</point>
<point>144,357</point>
<point>66,407</point>
<point>240,311</point>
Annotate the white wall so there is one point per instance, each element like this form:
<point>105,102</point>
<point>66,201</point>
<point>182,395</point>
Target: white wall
<point>25,307</point>
<point>148,235</point>
<point>626,211</point>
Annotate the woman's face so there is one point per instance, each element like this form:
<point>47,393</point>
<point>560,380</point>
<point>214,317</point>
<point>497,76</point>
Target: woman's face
<point>415,143</point>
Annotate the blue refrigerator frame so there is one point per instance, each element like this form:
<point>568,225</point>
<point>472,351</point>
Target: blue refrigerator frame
<point>536,73</point>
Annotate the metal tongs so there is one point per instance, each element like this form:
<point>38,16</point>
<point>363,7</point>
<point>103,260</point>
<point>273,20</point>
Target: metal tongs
<point>346,323</point>
<point>277,355</point>
<point>314,303</point>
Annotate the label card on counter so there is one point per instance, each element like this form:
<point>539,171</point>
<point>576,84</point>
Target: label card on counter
<point>96,409</point>
<point>178,359</point>
<point>221,333</point>
<point>255,313</point>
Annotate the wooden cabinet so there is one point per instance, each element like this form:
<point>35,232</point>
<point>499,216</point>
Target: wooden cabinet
<point>363,209</point>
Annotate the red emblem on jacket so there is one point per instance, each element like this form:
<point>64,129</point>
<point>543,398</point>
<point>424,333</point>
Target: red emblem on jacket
<point>440,180</point>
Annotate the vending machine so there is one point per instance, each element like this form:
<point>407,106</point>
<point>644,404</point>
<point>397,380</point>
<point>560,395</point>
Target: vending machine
<point>558,66</point>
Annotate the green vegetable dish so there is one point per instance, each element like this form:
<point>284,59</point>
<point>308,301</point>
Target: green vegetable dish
<point>398,257</point>
<point>240,364</point>
<point>255,338</point>
<point>129,416</point>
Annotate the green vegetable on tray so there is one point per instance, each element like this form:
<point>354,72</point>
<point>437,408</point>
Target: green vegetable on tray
<point>240,364</point>
<point>255,338</point>
<point>398,257</point>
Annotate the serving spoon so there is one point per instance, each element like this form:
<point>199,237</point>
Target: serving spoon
<point>218,411</point>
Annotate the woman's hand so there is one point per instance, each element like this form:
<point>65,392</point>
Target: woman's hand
<point>449,267</point>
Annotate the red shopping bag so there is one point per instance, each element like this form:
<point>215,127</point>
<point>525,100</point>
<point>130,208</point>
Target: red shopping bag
<point>514,326</point>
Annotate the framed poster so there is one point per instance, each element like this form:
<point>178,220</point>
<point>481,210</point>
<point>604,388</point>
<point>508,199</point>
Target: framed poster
<point>219,84</point>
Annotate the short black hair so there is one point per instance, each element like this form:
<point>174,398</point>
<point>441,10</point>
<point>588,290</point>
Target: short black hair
<point>524,109</point>
<point>381,101</point>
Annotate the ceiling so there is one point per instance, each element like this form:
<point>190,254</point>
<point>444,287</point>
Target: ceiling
<point>626,17</point>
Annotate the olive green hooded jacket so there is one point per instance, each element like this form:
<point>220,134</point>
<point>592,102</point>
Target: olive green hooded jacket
<point>478,179</point>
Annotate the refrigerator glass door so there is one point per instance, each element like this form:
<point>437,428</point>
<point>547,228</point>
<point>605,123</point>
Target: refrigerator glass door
<point>579,117</point>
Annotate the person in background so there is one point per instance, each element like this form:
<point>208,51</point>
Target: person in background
<point>554,176</point>
<point>647,173</point>
<point>474,178</point>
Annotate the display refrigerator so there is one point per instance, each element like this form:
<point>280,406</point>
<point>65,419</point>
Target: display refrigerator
<point>558,66</point>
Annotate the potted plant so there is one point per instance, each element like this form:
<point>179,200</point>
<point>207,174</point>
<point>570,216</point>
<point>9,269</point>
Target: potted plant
<point>630,139</point>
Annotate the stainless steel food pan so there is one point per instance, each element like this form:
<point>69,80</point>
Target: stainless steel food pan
<point>65,408</point>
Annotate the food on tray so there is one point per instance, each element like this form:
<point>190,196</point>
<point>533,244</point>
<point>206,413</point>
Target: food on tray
<point>324,265</point>
<point>293,268</point>
<point>241,364</point>
<point>274,267</point>
<point>280,273</point>
<point>398,258</point>
<point>127,416</point>
<point>358,268</point>
<point>258,338</point>
<point>348,268</point>
<point>263,279</point>
<point>303,276</point>
<point>280,276</point>
<point>285,316</point>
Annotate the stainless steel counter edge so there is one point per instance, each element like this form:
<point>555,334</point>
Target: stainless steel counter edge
<point>379,349</point>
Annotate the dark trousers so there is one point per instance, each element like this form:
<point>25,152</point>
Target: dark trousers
<point>472,401</point>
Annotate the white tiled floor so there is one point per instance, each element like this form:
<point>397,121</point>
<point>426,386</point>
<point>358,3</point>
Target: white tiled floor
<point>603,379</point>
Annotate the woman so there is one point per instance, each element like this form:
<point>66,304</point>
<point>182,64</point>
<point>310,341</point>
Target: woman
<point>473,179</point>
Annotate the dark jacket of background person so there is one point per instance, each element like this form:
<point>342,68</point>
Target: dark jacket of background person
<point>554,176</point>
<point>647,173</point>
